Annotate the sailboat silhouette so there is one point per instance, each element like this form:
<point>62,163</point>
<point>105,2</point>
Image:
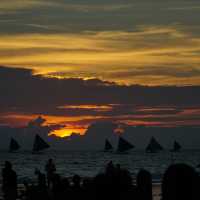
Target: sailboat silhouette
<point>124,145</point>
<point>153,146</point>
<point>176,147</point>
<point>39,144</point>
<point>14,145</point>
<point>108,146</point>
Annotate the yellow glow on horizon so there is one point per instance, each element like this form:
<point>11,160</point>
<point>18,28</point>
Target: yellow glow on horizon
<point>65,132</point>
<point>66,125</point>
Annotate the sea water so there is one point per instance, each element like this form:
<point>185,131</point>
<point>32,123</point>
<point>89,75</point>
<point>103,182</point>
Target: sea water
<point>90,163</point>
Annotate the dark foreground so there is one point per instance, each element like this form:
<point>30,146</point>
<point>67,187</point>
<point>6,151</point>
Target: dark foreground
<point>179,182</point>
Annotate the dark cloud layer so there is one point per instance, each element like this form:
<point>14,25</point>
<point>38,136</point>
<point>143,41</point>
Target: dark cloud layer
<point>74,16</point>
<point>23,91</point>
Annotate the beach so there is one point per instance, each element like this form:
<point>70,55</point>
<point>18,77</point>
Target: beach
<point>90,163</point>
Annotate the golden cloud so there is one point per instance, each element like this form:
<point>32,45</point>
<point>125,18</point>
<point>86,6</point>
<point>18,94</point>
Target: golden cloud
<point>106,51</point>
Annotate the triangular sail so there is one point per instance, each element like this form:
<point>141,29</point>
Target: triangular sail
<point>153,146</point>
<point>124,145</point>
<point>39,144</point>
<point>14,146</point>
<point>177,147</point>
<point>108,146</point>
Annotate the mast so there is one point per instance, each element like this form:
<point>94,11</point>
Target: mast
<point>14,146</point>
<point>108,146</point>
<point>124,145</point>
<point>153,146</point>
<point>39,144</point>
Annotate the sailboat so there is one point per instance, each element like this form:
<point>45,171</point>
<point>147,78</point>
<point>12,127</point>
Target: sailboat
<point>108,146</point>
<point>153,146</point>
<point>39,144</point>
<point>177,147</point>
<point>124,145</point>
<point>14,146</point>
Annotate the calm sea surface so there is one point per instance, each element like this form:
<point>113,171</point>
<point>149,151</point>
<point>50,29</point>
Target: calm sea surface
<point>89,163</point>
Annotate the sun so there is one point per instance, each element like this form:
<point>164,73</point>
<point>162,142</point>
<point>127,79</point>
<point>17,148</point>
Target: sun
<point>66,132</point>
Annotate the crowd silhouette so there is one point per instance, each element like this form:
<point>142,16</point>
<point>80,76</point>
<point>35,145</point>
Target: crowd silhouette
<point>179,182</point>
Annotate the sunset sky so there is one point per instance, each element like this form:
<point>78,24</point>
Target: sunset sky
<point>107,47</point>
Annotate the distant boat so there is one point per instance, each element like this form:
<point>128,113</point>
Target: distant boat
<point>124,145</point>
<point>14,145</point>
<point>39,144</point>
<point>177,147</point>
<point>108,146</point>
<point>153,146</point>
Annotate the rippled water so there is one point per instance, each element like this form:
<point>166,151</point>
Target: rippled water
<point>89,163</point>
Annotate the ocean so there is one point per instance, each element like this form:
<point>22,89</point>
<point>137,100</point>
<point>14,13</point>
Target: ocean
<point>89,163</point>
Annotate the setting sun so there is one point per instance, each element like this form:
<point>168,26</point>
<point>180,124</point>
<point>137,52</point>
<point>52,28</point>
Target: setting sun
<point>65,132</point>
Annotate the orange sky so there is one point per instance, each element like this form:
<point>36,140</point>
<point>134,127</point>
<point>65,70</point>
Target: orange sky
<point>124,57</point>
<point>123,42</point>
<point>75,124</point>
<point>127,42</point>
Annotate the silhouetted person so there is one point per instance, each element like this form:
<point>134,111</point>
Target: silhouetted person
<point>144,185</point>
<point>88,189</point>
<point>101,187</point>
<point>76,182</point>
<point>41,179</point>
<point>30,191</point>
<point>115,183</point>
<point>126,190</point>
<point>65,189</point>
<point>56,187</point>
<point>50,169</point>
<point>9,184</point>
<point>77,191</point>
<point>41,188</point>
<point>110,168</point>
<point>180,182</point>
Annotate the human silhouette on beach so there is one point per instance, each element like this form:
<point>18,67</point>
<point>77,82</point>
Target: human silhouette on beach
<point>180,182</point>
<point>114,183</point>
<point>144,185</point>
<point>50,169</point>
<point>41,179</point>
<point>76,187</point>
<point>41,187</point>
<point>9,182</point>
<point>65,189</point>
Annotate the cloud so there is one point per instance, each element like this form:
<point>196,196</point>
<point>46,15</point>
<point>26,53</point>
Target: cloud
<point>148,72</point>
<point>187,8</point>
<point>74,102</point>
<point>177,72</point>
<point>66,5</point>
<point>78,54</point>
<point>147,52</point>
<point>18,4</point>
<point>96,134</point>
<point>79,16</point>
